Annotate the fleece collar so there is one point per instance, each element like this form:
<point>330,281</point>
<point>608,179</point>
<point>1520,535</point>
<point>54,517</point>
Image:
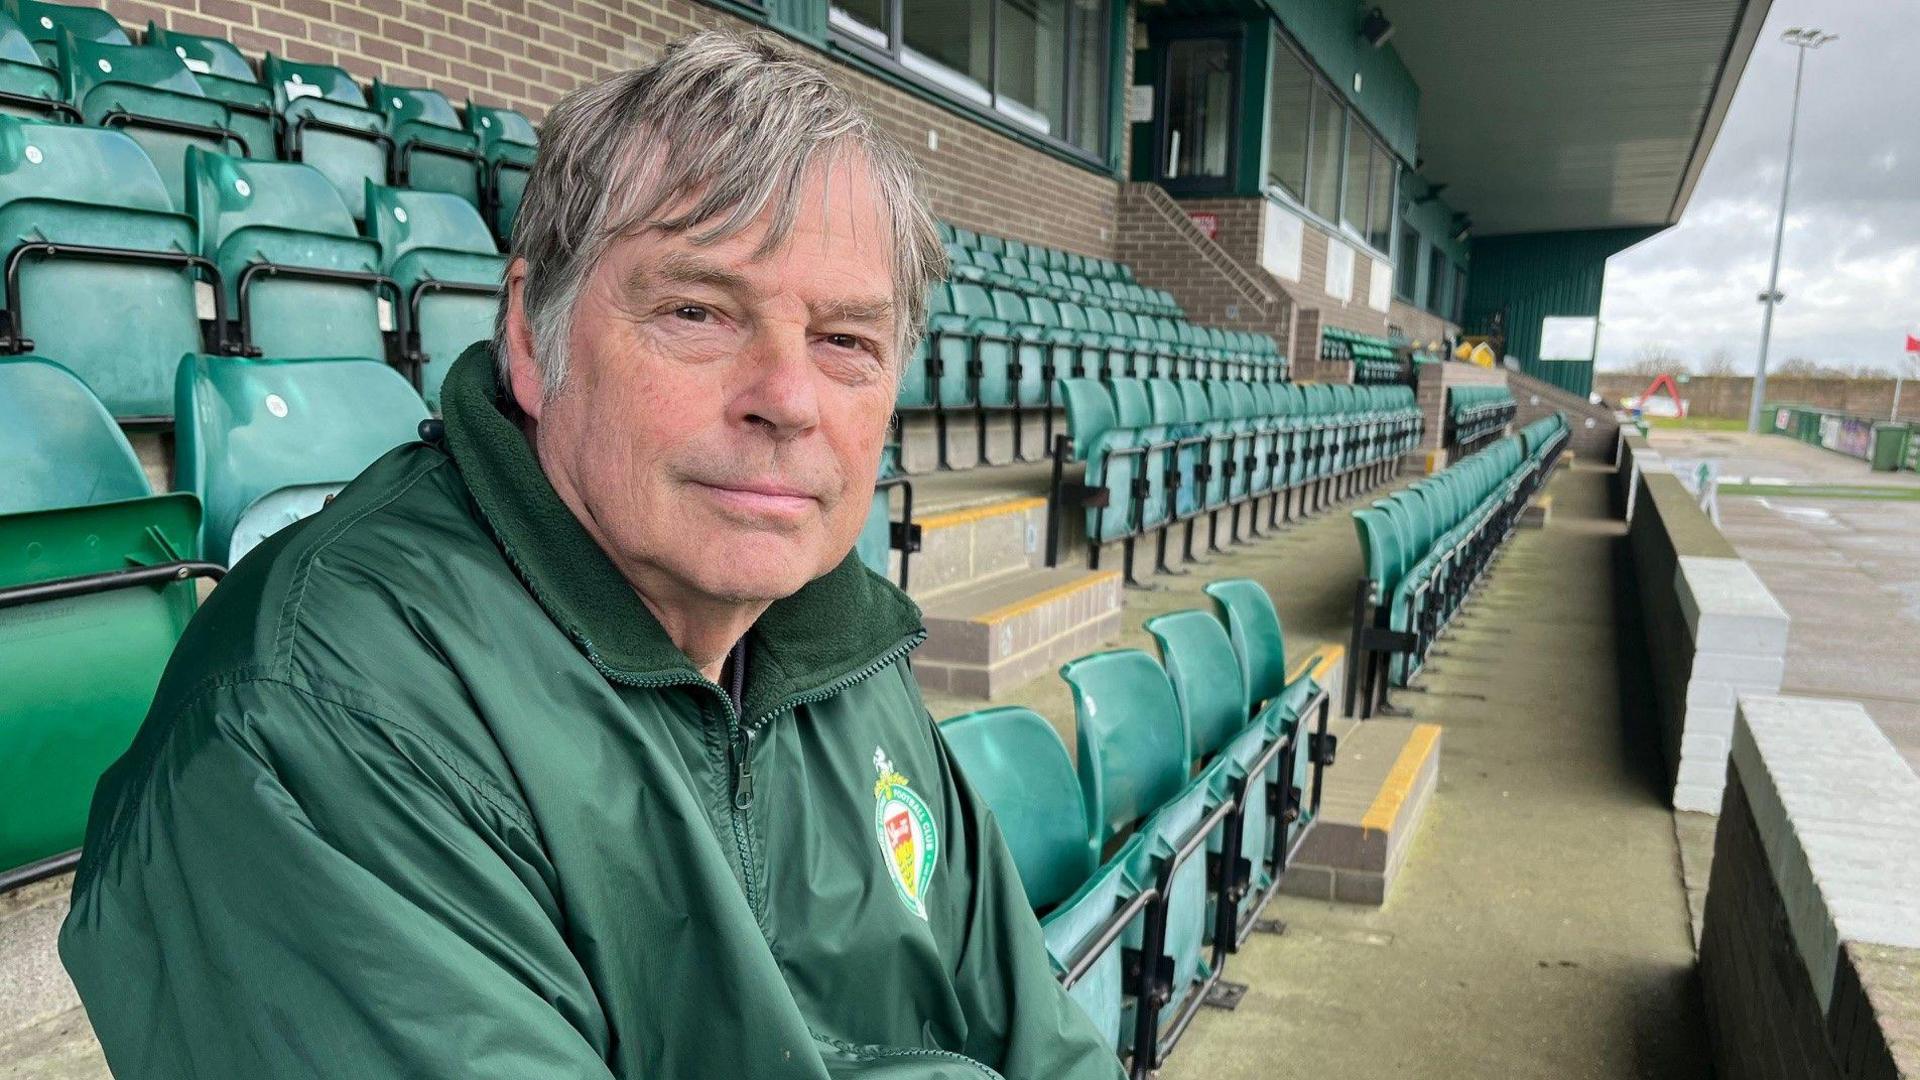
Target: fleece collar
<point>836,629</point>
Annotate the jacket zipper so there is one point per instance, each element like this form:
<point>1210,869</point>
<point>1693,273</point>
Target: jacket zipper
<point>740,736</point>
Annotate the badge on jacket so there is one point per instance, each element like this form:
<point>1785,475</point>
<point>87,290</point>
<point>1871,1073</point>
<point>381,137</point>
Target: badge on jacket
<point>909,840</point>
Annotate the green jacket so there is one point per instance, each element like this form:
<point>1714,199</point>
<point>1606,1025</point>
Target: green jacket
<point>426,792</point>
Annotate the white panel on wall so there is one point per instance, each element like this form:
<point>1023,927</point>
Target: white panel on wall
<point>1339,270</point>
<point>1281,242</point>
<point>1380,287</point>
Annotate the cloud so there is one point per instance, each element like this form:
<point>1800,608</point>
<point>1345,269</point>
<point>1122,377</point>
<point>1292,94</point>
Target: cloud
<point>1850,261</point>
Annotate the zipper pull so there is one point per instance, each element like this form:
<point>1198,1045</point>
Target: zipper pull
<point>743,774</point>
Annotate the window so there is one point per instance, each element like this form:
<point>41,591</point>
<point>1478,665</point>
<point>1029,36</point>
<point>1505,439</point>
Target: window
<point>1460,294</point>
<point>1199,129</point>
<point>1406,269</point>
<point>1289,105</point>
<point>1436,300</point>
<point>1041,64</point>
<point>1380,199</point>
<point>1353,196</point>
<point>1323,160</point>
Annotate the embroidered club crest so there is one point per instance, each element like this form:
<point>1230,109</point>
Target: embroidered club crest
<point>909,840</point>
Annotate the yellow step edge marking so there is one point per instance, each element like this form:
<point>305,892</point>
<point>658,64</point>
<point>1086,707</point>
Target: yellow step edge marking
<point>1021,607</point>
<point>978,513</point>
<point>1399,782</point>
<point>1319,663</point>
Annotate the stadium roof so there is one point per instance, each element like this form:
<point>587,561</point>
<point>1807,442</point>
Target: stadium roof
<point>1544,115</point>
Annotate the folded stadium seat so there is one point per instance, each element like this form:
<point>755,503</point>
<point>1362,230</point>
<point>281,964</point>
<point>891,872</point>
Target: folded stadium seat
<point>1016,762</point>
<point>99,569</point>
<point>225,75</point>
<point>438,252</point>
<point>299,278</point>
<point>937,376</point>
<point>148,92</point>
<point>1014,249</point>
<point>432,149</point>
<point>1246,758</point>
<point>94,231</point>
<point>967,237</point>
<point>1284,709</point>
<point>509,144</point>
<point>264,443</point>
<point>1059,344</point>
<point>1105,353</point>
<point>1111,431</point>
<point>28,87</point>
<point>1184,462</point>
<point>1167,350</point>
<point>1136,778</point>
<point>1140,349</point>
<point>46,24</point>
<point>881,535</point>
<point>325,122</point>
<point>1030,375</point>
<point>970,338</point>
<point>945,230</point>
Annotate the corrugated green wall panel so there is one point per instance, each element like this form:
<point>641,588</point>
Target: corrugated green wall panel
<point>1529,276</point>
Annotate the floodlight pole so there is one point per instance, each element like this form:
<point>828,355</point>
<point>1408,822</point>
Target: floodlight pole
<point>1803,40</point>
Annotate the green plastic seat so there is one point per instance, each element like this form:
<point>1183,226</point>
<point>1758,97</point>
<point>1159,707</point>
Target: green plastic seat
<point>148,92</point>
<point>433,150</point>
<point>300,279</point>
<point>80,671</point>
<point>509,143</point>
<point>46,24</point>
<point>225,76</point>
<point>1014,759</point>
<point>441,256</point>
<point>325,121</point>
<point>264,443</point>
<point>1103,433</point>
<point>85,187</point>
<point>1135,773</point>
<point>1253,628</point>
<point>28,86</point>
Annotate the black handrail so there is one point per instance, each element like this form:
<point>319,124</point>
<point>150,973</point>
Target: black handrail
<point>258,270</point>
<point>108,580</point>
<point>122,118</point>
<point>13,337</point>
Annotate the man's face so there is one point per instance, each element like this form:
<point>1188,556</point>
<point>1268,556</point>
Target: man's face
<point>722,416</point>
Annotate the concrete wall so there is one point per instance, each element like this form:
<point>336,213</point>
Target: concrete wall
<point>1713,630</point>
<point>1810,951</point>
<point>1726,396</point>
<point>1596,433</point>
<point>527,53</point>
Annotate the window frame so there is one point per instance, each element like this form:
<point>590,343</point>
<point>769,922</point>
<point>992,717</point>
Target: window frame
<point>1349,115</point>
<point>890,60</point>
<point>1235,41</point>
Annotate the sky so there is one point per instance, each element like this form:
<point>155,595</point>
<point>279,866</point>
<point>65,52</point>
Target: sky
<point>1850,267</point>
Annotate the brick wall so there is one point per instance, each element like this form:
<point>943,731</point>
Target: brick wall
<point>1214,286</point>
<point>1727,396</point>
<point>527,53</point>
<point>1596,433</point>
<point>1807,953</point>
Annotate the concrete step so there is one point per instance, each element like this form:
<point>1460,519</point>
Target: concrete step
<point>995,634</point>
<point>1376,794</point>
<point>920,441</point>
<point>970,544</point>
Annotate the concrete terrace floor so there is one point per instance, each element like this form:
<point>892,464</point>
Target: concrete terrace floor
<point>1846,569</point>
<point>1539,928</point>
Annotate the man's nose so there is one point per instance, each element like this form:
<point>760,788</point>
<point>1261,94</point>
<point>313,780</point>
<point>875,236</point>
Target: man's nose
<point>779,391</point>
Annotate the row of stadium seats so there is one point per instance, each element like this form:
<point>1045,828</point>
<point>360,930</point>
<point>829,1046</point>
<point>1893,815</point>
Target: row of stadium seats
<point>1159,453</point>
<point>178,90</point>
<point>1035,266</point>
<point>1148,854</point>
<point>102,567</point>
<point>1475,415</point>
<point>1374,360</point>
<point>1426,546</point>
<point>260,258</point>
<point>992,348</point>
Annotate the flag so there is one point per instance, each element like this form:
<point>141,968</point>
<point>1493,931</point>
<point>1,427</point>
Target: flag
<point>1913,343</point>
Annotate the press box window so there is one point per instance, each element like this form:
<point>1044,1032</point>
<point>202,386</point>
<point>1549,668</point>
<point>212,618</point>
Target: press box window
<point>1200,86</point>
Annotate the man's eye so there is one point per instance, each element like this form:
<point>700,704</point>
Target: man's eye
<point>843,341</point>
<point>691,313</point>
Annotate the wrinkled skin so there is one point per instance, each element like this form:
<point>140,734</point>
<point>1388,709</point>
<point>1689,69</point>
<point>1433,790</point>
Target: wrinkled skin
<point>720,425</point>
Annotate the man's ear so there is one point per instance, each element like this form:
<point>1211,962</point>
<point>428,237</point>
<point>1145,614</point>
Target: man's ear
<point>524,378</point>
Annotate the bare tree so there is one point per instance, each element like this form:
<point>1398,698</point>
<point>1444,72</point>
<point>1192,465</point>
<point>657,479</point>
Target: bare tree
<point>1799,367</point>
<point>1654,358</point>
<point>1719,363</point>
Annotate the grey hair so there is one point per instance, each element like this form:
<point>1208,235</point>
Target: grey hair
<point>728,125</point>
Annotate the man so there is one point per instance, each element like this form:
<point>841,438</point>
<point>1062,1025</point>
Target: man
<point>575,744</point>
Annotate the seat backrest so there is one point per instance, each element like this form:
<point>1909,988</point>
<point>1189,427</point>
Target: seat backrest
<point>1195,397</point>
<point>15,46</point>
<point>291,80</point>
<point>1243,605</point>
<point>1090,413</point>
<point>45,24</point>
<point>404,220</point>
<point>1132,408</point>
<point>1206,677</point>
<point>61,446</point>
<point>226,194</point>
<point>249,428</point>
<point>415,105</point>
<point>1132,738</point>
<point>73,164</point>
<point>1016,762</point>
<point>1008,306</point>
<point>972,301</point>
<point>203,55</point>
<point>1165,403</point>
<point>1376,547</point>
<point>88,64</point>
<point>495,125</point>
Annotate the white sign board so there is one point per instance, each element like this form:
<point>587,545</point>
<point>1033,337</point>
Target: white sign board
<point>1139,104</point>
<point>1380,286</point>
<point>1567,337</point>
<point>1281,242</point>
<point>1339,271</point>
